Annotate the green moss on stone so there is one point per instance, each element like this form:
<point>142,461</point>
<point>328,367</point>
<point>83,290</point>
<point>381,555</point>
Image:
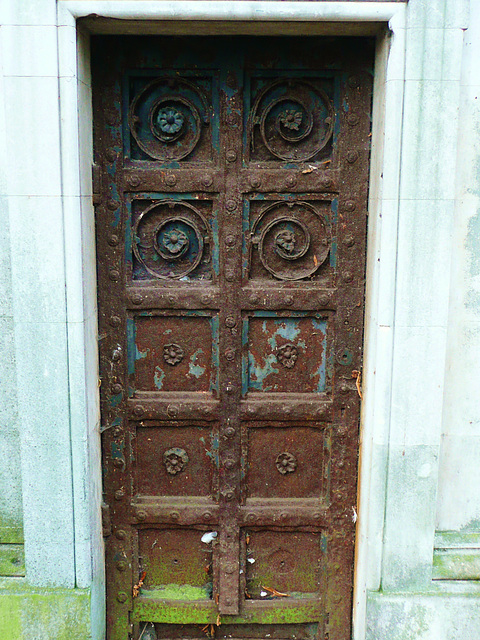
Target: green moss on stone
<point>43,614</point>
<point>11,531</point>
<point>12,560</point>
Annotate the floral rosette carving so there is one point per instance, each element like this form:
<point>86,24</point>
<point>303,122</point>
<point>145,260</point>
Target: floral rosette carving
<point>287,355</point>
<point>167,117</point>
<point>175,460</point>
<point>286,463</point>
<point>173,354</point>
<point>170,120</point>
<point>285,244</point>
<point>171,240</point>
<point>291,119</point>
<point>175,242</point>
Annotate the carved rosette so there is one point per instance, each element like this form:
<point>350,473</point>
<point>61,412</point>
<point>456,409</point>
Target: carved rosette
<point>169,122</point>
<point>173,354</point>
<point>286,463</point>
<point>175,460</point>
<point>287,355</point>
<point>175,242</point>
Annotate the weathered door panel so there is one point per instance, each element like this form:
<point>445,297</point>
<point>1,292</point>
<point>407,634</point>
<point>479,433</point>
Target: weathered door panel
<point>231,219</point>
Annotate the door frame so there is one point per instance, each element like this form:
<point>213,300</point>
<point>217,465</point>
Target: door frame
<point>387,21</point>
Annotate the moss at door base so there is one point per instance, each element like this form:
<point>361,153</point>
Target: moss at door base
<point>43,614</point>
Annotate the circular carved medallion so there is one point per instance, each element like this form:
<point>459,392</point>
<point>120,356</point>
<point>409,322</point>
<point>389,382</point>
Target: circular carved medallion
<point>295,118</point>
<point>165,118</point>
<point>169,239</point>
<point>292,239</point>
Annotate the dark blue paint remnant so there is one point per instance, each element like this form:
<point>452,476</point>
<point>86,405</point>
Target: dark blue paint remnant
<point>115,400</point>
<point>118,449</point>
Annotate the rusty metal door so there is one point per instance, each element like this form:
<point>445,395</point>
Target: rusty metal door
<point>231,191</point>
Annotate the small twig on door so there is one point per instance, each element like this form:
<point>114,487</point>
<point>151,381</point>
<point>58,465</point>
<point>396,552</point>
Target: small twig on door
<point>275,593</point>
<point>209,630</point>
<point>138,586</point>
<point>358,376</point>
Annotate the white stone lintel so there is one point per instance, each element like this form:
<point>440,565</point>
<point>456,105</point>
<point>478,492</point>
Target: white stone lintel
<point>253,10</point>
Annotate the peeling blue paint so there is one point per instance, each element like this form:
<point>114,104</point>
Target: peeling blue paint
<point>287,328</point>
<point>258,373</point>
<point>215,326</point>
<point>193,368</point>
<point>131,345</point>
<point>333,245</point>
<point>158,377</point>
<point>212,453</point>
<point>141,354</point>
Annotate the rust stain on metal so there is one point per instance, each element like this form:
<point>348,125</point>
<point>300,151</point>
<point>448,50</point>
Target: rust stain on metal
<point>230,187</point>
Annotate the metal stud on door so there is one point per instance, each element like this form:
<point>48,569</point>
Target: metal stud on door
<point>231,184</point>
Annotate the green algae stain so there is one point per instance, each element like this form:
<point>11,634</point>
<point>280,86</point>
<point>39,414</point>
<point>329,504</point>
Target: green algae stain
<point>178,592</point>
<point>43,614</point>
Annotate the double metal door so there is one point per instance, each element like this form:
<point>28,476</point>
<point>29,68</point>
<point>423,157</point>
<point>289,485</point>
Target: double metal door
<point>230,191</point>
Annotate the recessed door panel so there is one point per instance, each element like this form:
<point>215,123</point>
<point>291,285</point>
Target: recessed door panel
<point>170,572</point>
<point>285,461</point>
<point>180,460</point>
<point>287,353</point>
<point>173,239</point>
<point>290,240</point>
<point>283,563</point>
<point>173,353</point>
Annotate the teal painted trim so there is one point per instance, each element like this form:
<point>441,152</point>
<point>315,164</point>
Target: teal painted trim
<point>43,614</point>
